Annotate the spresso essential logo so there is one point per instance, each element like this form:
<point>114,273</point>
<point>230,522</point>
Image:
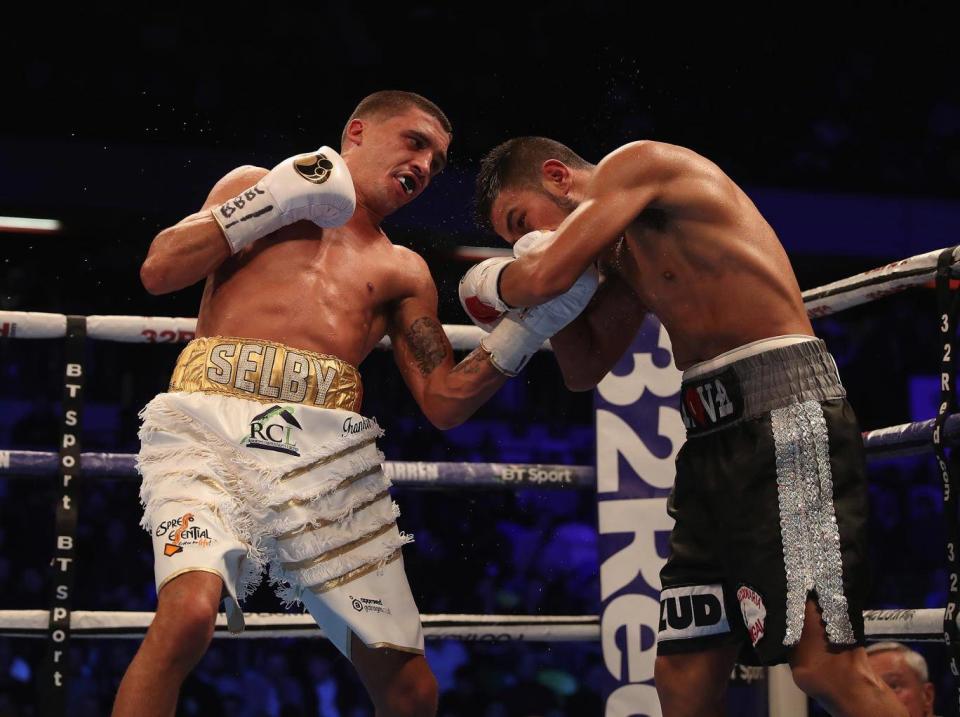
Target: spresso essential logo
<point>713,402</point>
<point>272,430</point>
<point>362,604</point>
<point>182,532</point>
<point>315,168</point>
<point>692,611</point>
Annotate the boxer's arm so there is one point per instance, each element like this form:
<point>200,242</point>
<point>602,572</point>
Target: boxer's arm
<point>626,182</point>
<point>448,393</point>
<point>589,347</point>
<point>194,247</point>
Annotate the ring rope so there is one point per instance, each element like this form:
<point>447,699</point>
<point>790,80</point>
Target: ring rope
<point>893,441</point>
<point>423,474</point>
<point>921,625</point>
<point>876,283</point>
<point>820,301</point>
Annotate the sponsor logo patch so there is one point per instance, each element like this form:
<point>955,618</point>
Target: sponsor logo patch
<point>712,402</point>
<point>273,430</point>
<point>754,612</point>
<point>352,427</point>
<point>511,473</point>
<point>362,604</point>
<point>692,611</point>
<point>182,532</point>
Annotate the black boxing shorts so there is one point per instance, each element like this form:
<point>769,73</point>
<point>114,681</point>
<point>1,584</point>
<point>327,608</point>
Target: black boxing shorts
<point>770,504</point>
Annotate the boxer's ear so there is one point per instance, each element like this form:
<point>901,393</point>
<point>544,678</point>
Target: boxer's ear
<point>556,176</point>
<point>354,133</point>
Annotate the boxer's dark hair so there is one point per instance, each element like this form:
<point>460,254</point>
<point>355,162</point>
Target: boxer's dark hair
<point>390,102</point>
<point>517,163</point>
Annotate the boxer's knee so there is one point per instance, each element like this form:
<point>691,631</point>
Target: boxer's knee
<point>413,696</point>
<point>675,676</point>
<point>186,616</point>
<point>400,684</point>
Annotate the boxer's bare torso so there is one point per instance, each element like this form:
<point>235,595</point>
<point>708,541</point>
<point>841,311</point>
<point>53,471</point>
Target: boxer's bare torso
<point>335,291</point>
<point>716,279</point>
<point>326,290</point>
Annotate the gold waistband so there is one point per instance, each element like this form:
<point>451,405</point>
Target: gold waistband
<point>265,371</point>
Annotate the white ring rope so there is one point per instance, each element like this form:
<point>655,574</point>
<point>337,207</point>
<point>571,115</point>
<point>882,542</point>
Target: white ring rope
<point>162,329</point>
<point>875,283</point>
<point>821,301</point>
<point>493,628</point>
<point>923,625</point>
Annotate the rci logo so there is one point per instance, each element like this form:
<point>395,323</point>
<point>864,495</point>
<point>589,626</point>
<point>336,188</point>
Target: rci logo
<point>272,431</point>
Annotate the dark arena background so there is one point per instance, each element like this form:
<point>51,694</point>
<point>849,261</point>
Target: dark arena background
<point>845,131</point>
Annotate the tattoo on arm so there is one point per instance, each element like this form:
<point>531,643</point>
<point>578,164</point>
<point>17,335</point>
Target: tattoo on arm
<point>472,363</point>
<point>428,344</point>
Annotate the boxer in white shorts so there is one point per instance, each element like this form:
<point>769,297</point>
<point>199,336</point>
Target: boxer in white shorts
<point>234,481</point>
<point>258,456</point>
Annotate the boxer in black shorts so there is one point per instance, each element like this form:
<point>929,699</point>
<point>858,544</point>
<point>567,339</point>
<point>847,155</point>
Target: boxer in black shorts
<point>768,549</point>
<point>772,475</point>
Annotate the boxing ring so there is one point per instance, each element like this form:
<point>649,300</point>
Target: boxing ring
<point>58,624</point>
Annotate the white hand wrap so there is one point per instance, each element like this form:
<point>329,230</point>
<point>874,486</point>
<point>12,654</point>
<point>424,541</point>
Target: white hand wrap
<point>520,333</point>
<point>315,186</point>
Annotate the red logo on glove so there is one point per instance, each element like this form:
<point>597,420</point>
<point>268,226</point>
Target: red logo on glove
<point>480,311</point>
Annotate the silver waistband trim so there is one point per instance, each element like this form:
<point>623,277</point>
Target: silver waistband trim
<point>741,352</point>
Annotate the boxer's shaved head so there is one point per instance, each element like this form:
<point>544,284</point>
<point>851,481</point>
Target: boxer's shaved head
<point>387,103</point>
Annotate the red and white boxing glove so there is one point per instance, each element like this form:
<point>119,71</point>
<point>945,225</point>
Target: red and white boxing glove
<point>315,186</point>
<point>480,294</point>
<point>515,335</point>
<point>479,287</point>
<point>520,333</point>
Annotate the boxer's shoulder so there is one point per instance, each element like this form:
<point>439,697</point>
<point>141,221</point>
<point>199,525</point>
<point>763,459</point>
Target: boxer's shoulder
<point>405,261</point>
<point>409,272</point>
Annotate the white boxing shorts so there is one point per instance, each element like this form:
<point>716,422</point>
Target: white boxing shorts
<point>257,458</point>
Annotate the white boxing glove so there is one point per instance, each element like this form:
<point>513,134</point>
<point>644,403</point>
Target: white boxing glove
<point>521,332</point>
<point>530,241</point>
<point>315,186</point>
